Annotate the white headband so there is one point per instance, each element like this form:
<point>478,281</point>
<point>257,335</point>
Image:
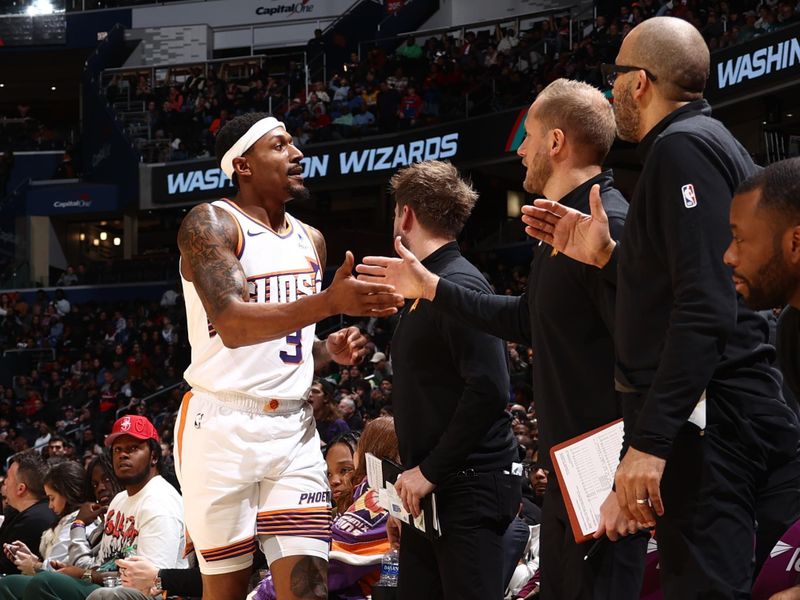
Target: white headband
<point>242,145</point>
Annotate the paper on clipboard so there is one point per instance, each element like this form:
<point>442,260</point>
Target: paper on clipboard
<point>395,507</point>
<point>585,467</point>
<point>374,471</point>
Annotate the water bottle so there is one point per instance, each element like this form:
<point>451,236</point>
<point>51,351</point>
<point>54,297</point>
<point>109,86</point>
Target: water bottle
<point>390,569</point>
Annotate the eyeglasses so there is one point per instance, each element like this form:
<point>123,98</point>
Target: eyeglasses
<point>611,72</point>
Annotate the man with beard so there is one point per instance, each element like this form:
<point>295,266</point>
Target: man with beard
<point>705,422</point>
<point>252,278</point>
<point>450,389</point>
<point>567,315</point>
<point>764,254</point>
<point>145,519</point>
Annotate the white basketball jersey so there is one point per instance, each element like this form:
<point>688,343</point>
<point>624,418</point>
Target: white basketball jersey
<point>279,269</point>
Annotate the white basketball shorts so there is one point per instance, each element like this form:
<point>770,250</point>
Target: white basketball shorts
<point>251,470</point>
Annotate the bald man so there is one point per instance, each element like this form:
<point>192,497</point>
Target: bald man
<point>705,421</point>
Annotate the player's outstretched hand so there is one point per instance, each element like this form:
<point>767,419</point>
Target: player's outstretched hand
<point>406,274</point>
<point>347,346</point>
<point>357,298</point>
<point>582,237</point>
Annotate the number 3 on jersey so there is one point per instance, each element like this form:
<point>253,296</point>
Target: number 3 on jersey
<point>295,354</point>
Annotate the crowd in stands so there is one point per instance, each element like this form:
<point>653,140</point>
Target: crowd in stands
<point>81,365</point>
<point>421,83</point>
<point>386,90</point>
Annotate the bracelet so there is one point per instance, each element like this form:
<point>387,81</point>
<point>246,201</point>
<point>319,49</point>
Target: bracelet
<point>77,524</point>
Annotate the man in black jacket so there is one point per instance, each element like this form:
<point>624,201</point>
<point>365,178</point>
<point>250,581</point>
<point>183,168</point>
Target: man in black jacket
<point>567,316</point>
<point>450,391</point>
<point>704,417</point>
<point>764,254</point>
<point>24,492</point>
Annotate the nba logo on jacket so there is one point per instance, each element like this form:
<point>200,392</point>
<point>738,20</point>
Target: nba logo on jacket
<point>689,197</point>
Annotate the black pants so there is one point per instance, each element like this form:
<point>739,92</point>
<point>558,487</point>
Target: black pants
<point>614,572</point>
<point>466,562</point>
<point>709,489</point>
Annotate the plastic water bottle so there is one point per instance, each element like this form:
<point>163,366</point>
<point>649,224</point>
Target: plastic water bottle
<point>390,569</point>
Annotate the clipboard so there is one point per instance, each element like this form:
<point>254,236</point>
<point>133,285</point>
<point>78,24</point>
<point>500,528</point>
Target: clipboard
<point>585,466</point>
<point>381,476</point>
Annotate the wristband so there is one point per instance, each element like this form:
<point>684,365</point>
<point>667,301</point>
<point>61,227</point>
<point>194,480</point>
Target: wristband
<point>77,523</point>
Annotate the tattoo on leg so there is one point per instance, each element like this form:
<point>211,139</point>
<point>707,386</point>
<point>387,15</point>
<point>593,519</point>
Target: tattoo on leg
<point>309,578</point>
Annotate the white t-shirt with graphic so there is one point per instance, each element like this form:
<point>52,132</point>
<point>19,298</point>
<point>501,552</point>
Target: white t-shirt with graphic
<point>148,524</point>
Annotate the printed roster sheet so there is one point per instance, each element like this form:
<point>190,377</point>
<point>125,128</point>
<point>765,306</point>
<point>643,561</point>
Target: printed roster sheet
<point>585,467</point>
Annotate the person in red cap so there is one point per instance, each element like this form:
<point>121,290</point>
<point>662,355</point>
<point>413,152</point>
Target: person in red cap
<point>145,519</point>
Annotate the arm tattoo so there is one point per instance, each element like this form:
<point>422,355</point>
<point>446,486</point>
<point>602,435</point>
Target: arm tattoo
<point>207,240</point>
<point>309,578</point>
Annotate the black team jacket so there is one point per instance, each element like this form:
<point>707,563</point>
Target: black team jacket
<point>566,315</point>
<point>451,384</point>
<point>680,328</point>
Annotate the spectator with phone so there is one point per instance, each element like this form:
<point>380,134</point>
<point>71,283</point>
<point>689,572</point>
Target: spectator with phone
<point>65,487</point>
<point>23,490</point>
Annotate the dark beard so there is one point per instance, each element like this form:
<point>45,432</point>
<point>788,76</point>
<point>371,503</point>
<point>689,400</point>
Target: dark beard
<point>626,116</point>
<point>775,285</point>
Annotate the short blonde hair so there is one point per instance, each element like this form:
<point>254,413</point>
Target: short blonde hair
<point>441,199</point>
<point>582,112</point>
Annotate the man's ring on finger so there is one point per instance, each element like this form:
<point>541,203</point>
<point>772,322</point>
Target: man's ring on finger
<point>643,501</point>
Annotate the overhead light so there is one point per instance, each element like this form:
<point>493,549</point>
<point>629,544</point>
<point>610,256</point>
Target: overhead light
<point>117,241</point>
<point>103,235</point>
<point>2,85</point>
<point>790,115</point>
<point>95,242</point>
<point>103,223</point>
<point>83,236</point>
<point>53,88</point>
<point>40,7</point>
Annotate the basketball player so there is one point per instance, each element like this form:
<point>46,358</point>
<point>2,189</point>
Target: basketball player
<point>247,452</point>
